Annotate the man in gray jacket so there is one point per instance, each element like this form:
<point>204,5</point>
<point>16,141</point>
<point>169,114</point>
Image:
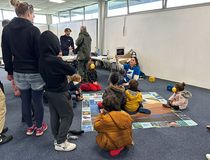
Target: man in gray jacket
<point>83,43</point>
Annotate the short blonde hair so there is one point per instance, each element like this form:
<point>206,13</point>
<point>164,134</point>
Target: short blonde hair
<point>74,77</point>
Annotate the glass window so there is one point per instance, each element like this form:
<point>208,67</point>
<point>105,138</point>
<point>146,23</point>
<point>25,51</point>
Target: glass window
<point>42,19</point>
<point>144,5</point>
<point>176,3</point>
<point>116,8</point>
<point>91,12</point>
<point>1,18</point>
<point>64,16</point>
<point>77,14</point>
<point>9,14</point>
<point>55,19</point>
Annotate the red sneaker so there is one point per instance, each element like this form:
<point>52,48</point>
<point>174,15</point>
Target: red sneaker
<point>115,152</point>
<point>31,130</point>
<point>40,131</point>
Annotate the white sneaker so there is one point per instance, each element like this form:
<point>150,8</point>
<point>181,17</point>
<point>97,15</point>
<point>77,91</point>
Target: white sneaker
<point>65,146</point>
<point>55,142</point>
<point>208,156</point>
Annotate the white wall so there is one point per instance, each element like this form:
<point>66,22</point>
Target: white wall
<point>40,26</point>
<point>172,45</point>
<point>91,25</point>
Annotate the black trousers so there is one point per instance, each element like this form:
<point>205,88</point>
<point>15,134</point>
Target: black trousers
<point>61,114</point>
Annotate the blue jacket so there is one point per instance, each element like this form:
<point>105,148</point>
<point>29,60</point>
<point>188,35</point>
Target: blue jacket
<point>130,72</point>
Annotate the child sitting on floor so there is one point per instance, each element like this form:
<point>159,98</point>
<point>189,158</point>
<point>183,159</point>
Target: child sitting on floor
<point>114,128</point>
<point>114,91</point>
<point>134,99</point>
<point>74,87</point>
<point>179,99</point>
<point>92,84</point>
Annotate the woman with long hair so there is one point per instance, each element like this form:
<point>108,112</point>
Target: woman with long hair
<point>21,54</point>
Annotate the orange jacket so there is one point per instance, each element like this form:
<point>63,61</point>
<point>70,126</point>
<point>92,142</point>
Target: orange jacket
<point>114,130</point>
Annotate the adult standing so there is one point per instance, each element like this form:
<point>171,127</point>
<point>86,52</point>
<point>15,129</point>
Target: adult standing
<point>21,54</point>
<point>67,42</point>
<point>83,43</point>
<point>3,138</point>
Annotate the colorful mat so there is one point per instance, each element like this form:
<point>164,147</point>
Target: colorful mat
<point>160,116</point>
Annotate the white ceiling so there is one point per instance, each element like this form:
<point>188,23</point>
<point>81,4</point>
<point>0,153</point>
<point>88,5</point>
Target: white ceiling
<point>49,7</point>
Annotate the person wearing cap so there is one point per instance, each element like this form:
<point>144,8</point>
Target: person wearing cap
<point>67,42</point>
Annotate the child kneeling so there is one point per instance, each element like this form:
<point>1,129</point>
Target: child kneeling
<point>92,84</point>
<point>114,128</point>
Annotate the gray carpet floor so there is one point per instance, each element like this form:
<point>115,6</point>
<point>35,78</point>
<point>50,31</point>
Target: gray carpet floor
<point>184,143</point>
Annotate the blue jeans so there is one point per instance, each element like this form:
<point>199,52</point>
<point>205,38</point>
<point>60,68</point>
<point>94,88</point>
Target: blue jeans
<point>31,88</point>
<point>25,81</point>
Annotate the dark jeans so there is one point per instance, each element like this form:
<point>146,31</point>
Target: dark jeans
<point>37,97</point>
<point>141,110</point>
<point>174,107</point>
<point>61,114</point>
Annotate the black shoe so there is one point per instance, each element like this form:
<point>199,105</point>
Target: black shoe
<point>75,132</point>
<point>5,130</point>
<point>5,139</point>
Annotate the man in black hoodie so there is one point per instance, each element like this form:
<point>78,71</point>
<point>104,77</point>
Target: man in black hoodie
<point>54,71</point>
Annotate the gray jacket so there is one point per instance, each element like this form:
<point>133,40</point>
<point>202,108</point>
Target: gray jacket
<point>84,43</point>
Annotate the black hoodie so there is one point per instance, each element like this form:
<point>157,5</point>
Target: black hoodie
<point>20,39</point>
<point>52,68</point>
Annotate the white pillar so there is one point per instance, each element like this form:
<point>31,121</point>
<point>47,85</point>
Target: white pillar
<point>101,24</point>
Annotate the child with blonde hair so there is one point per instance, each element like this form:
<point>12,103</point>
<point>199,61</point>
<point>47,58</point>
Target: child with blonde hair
<point>74,86</point>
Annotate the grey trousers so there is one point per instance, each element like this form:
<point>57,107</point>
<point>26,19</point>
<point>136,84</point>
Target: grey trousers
<point>61,114</point>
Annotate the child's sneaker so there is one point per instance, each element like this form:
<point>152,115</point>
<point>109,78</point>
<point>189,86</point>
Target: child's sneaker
<point>208,156</point>
<point>208,127</point>
<point>65,146</point>
<point>115,152</point>
<point>40,131</point>
<point>79,98</point>
<point>31,130</point>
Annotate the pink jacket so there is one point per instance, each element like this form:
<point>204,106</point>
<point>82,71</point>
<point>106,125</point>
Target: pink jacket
<point>180,99</point>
